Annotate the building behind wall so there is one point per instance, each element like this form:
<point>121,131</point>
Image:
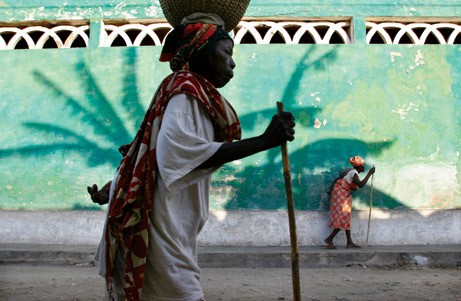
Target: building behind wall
<point>379,80</point>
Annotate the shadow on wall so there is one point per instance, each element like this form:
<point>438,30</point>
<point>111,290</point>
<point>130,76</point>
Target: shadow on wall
<point>105,129</point>
<point>96,111</point>
<point>263,187</point>
<point>253,187</point>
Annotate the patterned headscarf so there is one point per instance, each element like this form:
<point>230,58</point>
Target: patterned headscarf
<point>357,161</point>
<point>192,40</point>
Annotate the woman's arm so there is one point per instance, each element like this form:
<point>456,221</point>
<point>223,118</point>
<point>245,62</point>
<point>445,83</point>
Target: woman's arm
<point>280,130</point>
<point>362,183</point>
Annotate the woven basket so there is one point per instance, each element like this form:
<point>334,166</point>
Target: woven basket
<point>231,11</point>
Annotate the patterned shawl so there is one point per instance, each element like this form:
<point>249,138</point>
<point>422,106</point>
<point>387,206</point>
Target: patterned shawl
<point>132,200</point>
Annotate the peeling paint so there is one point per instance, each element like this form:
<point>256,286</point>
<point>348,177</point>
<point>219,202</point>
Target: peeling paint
<point>404,109</point>
<point>316,98</point>
<point>419,58</point>
<point>435,154</point>
<point>151,11</point>
<point>394,54</point>
<point>120,6</point>
<point>317,123</point>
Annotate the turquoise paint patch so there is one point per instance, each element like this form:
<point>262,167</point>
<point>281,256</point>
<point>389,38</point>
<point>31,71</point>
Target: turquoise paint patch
<point>29,10</point>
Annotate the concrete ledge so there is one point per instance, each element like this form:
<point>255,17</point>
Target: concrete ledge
<point>274,257</point>
<point>246,228</point>
<point>257,257</point>
<point>57,254</point>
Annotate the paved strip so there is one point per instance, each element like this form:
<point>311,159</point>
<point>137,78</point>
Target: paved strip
<point>257,257</point>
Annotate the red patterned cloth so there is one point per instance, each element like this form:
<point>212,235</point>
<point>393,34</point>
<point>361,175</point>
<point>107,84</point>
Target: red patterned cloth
<point>341,204</point>
<point>132,201</point>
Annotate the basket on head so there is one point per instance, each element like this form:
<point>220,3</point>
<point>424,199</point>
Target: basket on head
<point>231,11</point>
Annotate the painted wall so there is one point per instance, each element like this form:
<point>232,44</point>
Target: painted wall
<point>64,112</point>
<point>21,10</point>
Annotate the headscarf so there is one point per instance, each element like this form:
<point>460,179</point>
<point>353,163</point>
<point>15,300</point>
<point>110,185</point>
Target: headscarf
<point>193,40</point>
<point>357,161</point>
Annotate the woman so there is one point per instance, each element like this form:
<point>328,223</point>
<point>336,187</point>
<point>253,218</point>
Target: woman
<point>159,196</point>
<point>341,200</point>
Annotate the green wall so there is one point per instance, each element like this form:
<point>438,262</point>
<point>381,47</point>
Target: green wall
<point>64,112</point>
<point>20,10</point>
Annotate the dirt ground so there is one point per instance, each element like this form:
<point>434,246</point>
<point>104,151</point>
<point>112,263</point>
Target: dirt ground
<point>53,282</point>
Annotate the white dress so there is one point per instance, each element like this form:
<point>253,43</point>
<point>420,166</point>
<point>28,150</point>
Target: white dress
<point>180,209</point>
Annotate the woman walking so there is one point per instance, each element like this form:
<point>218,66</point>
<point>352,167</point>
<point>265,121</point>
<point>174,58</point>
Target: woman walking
<point>159,198</point>
<point>341,200</point>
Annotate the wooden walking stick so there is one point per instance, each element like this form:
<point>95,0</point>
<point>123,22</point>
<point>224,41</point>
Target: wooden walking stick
<point>371,205</point>
<point>291,218</point>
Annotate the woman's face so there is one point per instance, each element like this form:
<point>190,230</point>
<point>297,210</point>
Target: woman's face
<point>219,69</point>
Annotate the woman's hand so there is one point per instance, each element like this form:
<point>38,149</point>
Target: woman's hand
<point>99,196</point>
<point>372,170</point>
<point>280,130</point>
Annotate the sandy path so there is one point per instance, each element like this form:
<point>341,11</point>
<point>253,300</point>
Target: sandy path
<point>52,282</point>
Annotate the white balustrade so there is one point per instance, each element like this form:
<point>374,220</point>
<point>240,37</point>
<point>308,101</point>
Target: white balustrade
<point>252,28</point>
<point>417,33</point>
<point>259,32</point>
<point>25,34</point>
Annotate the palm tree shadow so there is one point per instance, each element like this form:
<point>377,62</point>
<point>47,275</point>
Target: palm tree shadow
<point>104,125</point>
<point>105,129</point>
<point>264,188</point>
<point>304,115</point>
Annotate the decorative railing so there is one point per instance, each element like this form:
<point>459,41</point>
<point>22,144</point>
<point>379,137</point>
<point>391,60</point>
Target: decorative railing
<point>39,37</point>
<point>247,32</point>
<point>293,32</point>
<point>413,33</point>
<point>141,34</point>
<point>134,34</point>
